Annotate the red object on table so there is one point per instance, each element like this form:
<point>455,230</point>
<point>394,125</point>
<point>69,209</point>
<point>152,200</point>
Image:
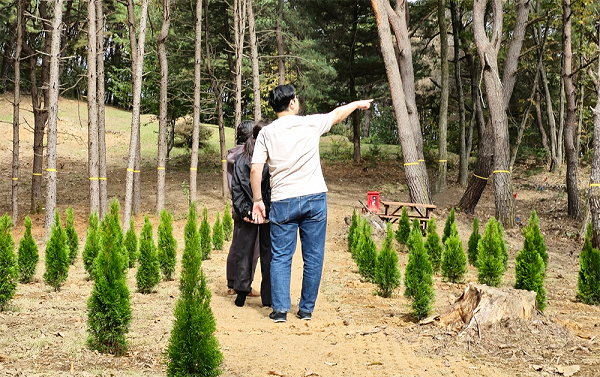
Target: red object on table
<point>373,201</point>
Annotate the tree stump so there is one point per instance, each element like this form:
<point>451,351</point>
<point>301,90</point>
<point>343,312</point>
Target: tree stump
<point>486,306</point>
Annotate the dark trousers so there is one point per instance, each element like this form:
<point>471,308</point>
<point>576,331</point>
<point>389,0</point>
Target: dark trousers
<point>243,259</point>
<point>231,269</point>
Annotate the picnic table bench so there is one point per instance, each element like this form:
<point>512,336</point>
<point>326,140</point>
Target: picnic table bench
<point>392,211</point>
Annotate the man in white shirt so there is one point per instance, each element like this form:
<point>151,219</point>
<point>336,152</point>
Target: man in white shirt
<point>290,145</point>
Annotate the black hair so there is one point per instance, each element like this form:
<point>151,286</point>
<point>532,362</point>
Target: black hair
<point>244,131</point>
<point>249,147</point>
<point>280,97</point>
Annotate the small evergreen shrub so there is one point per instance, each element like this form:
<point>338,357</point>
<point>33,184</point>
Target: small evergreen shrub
<point>503,246</point>
<point>588,281</point>
<point>148,273</point>
<point>451,219</point>
<point>362,231</point>
<point>416,226</point>
<point>387,273</point>
<point>433,246</point>
<point>167,245</point>
<point>418,276</point>
<point>530,267</point>
<point>205,239</point>
<point>92,244</point>
<point>490,255</point>
<point>352,230</point>
<point>57,256</point>
<point>367,257</point>
<point>454,260</point>
<point>473,241</point>
<point>217,237</point>
<point>227,223</point>
<point>109,309</point>
<point>193,348</point>
<point>538,238</point>
<point>403,227</point>
<point>72,238</point>
<point>131,244</point>
<point>9,272</point>
<point>28,254</point>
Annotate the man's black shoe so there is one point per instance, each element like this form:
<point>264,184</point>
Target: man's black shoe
<point>278,316</point>
<point>304,315</point>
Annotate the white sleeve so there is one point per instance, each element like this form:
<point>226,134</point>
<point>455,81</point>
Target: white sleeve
<point>260,154</point>
<point>322,122</point>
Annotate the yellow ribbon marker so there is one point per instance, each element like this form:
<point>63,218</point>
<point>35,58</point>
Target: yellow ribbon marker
<point>15,179</point>
<point>193,169</point>
<point>411,163</point>
<point>94,178</point>
<point>594,184</point>
<point>421,160</point>
<point>137,171</point>
<point>223,160</point>
<point>37,174</point>
<point>442,160</point>
<point>50,169</point>
<point>102,178</point>
<point>160,168</point>
<point>501,171</point>
<point>480,177</point>
<point>131,170</point>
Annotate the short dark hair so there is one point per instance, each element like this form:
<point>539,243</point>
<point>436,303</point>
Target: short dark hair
<point>280,97</point>
<point>244,131</point>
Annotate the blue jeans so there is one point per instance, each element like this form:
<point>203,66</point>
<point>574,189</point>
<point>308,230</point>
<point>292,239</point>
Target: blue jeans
<point>309,214</point>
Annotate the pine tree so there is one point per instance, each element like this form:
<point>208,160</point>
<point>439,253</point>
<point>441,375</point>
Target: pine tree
<point>362,231</point>
<point>28,254</point>
<point>418,276</point>
<point>148,273</point>
<point>92,244</point>
<point>367,257</point>
<point>451,219</point>
<point>538,238</point>
<point>588,281</point>
<point>205,235</point>
<point>387,274</point>
<point>57,256</point>
<point>529,268</point>
<point>217,237</point>
<point>227,223</point>
<point>503,246</point>
<point>352,230</point>
<point>490,259</point>
<point>416,226</point>
<point>403,227</point>
<point>193,348</point>
<point>72,238</point>
<point>473,241</point>
<point>109,309</point>
<point>167,245</point>
<point>131,244</point>
<point>433,246</point>
<point>454,260</point>
<point>9,272</point>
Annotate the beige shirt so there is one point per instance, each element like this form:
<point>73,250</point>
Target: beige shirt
<point>290,145</point>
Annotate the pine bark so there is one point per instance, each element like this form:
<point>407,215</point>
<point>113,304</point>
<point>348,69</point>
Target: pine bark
<point>416,181</point>
<point>280,47</point>
<point>254,59</point>
<point>53,92</point>
<point>92,107</point>
<point>197,90</point>
<point>137,55</point>
<point>443,114</point>
<point>100,88</point>
<point>163,114</point>
<point>594,189</point>
<point>570,154</point>
<point>463,170</point>
<point>16,116</point>
<point>239,27</point>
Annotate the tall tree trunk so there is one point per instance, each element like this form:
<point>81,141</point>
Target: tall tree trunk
<point>570,154</point>
<point>555,164</point>
<point>53,89</point>
<point>463,170</point>
<point>443,114</point>
<point>488,55</point>
<point>218,91</point>
<point>100,88</point>
<point>560,145</point>
<point>197,90</point>
<point>279,38</point>
<point>92,105</point>
<point>137,56</point>
<point>6,58</point>
<point>594,189</point>
<point>16,116</point>
<point>538,116</point>
<point>352,86</point>
<point>416,181</point>
<point>163,114</point>
<point>366,129</point>
<point>254,58</point>
<point>239,20</point>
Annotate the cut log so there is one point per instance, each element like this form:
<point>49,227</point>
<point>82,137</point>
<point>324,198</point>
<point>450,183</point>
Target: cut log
<point>487,305</point>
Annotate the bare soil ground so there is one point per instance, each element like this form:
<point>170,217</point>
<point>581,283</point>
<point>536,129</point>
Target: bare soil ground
<point>353,331</point>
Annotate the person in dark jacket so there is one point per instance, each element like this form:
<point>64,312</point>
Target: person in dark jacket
<point>241,194</point>
<point>243,133</point>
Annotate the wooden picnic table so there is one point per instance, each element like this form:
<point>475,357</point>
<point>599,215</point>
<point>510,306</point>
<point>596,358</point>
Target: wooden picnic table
<point>392,211</point>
